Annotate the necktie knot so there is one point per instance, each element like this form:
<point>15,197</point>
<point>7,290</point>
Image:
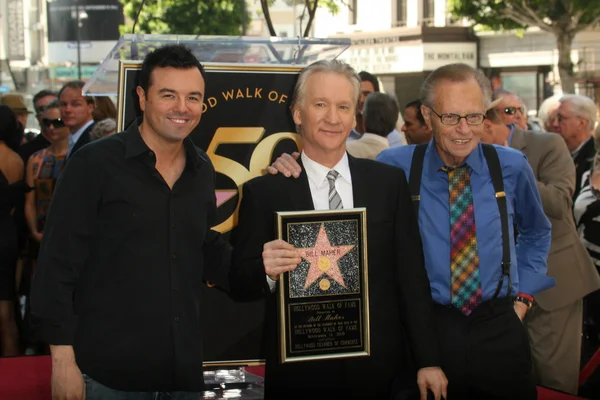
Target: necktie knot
<point>332,175</point>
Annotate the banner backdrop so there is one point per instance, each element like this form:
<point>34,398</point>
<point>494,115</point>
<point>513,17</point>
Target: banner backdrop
<point>246,124</point>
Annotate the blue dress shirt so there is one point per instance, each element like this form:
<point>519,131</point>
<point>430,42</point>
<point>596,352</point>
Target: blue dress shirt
<point>528,257</point>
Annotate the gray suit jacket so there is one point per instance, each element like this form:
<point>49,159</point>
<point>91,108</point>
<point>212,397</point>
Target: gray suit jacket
<point>568,262</point>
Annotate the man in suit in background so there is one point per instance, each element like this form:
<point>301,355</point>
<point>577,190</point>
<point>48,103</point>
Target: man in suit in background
<point>324,107</point>
<point>555,320</point>
<point>76,111</point>
<point>380,114</point>
<point>575,121</point>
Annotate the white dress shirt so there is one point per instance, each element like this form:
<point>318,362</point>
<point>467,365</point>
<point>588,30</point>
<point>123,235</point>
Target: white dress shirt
<point>319,187</point>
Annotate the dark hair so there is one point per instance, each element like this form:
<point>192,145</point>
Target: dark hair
<point>11,131</point>
<point>105,108</point>
<point>380,113</point>
<point>40,95</point>
<point>76,85</point>
<point>417,105</point>
<point>174,56</point>
<point>365,76</point>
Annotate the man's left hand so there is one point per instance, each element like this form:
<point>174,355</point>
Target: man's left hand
<point>434,379</point>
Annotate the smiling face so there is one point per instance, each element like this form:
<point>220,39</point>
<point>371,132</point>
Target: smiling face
<point>326,115</point>
<point>173,104</point>
<point>455,142</point>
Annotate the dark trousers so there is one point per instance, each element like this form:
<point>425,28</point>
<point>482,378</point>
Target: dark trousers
<point>96,391</point>
<point>485,355</point>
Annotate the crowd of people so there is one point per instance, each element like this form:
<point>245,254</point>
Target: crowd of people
<point>29,170</point>
<point>483,239</point>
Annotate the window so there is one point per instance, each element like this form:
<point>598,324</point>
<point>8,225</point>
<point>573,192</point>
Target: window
<point>400,12</point>
<point>428,12</point>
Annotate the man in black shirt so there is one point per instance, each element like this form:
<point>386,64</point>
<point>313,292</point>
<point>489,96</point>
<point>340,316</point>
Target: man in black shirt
<point>127,246</point>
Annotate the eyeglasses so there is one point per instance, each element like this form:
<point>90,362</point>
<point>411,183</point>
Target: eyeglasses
<point>56,123</point>
<point>453,119</point>
<point>513,110</point>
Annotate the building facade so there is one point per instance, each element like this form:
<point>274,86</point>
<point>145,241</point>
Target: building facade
<point>401,41</point>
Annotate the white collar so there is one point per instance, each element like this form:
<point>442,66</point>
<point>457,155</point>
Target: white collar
<point>317,173</point>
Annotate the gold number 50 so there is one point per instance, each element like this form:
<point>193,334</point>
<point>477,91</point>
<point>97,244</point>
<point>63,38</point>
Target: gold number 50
<point>261,158</point>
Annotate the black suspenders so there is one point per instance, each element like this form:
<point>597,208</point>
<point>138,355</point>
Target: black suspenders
<point>491,156</point>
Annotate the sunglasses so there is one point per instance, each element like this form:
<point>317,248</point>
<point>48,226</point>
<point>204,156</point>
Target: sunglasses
<point>56,123</point>
<point>513,110</point>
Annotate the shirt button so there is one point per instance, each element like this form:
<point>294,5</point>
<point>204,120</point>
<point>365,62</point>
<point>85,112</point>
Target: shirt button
<point>151,154</point>
<point>176,319</point>
<point>174,256</point>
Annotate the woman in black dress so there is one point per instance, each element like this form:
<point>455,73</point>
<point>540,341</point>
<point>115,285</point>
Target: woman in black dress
<point>11,183</point>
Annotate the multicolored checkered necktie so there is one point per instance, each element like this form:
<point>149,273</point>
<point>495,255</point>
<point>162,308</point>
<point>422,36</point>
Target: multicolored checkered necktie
<point>464,259</point>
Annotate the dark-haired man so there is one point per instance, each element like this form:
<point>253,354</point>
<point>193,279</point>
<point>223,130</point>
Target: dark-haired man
<point>415,129</point>
<point>127,246</point>
<point>76,111</point>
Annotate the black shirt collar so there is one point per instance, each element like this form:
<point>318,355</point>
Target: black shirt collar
<point>135,146</point>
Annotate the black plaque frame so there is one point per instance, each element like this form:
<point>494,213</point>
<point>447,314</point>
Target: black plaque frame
<point>316,324</point>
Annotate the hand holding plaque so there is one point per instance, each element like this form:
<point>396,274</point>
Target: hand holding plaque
<point>279,257</point>
<point>323,301</point>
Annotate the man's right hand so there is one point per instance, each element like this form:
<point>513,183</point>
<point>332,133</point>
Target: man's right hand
<point>279,257</point>
<point>67,381</point>
<point>287,165</point>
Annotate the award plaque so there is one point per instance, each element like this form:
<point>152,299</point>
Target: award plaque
<point>323,307</point>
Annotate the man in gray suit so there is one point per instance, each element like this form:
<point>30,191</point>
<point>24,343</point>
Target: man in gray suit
<point>554,322</point>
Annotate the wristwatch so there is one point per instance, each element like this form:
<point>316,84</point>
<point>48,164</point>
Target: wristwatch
<point>525,300</point>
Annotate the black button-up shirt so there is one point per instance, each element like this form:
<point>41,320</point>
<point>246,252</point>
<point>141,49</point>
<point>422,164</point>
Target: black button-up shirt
<point>123,262</point>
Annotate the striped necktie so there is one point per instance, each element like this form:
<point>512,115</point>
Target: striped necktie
<point>464,258</point>
<point>335,201</point>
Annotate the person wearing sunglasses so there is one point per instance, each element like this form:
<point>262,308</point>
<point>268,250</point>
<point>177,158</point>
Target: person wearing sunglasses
<point>511,109</point>
<point>42,171</point>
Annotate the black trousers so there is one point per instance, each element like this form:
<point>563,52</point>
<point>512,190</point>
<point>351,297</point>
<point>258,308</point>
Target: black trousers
<point>485,355</point>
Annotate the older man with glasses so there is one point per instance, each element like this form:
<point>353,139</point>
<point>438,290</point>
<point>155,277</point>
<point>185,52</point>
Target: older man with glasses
<point>469,197</point>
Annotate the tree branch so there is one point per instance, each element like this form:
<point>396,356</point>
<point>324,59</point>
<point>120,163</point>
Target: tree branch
<point>265,10</point>
<point>311,15</point>
<point>538,21</point>
<point>523,18</point>
<point>581,27</point>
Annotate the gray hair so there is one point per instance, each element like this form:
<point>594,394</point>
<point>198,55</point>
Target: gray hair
<point>335,66</point>
<point>380,113</point>
<point>546,109</point>
<point>103,128</point>
<point>457,72</point>
<point>584,107</point>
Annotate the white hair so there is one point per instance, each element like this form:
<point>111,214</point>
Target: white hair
<point>546,109</point>
<point>584,107</point>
